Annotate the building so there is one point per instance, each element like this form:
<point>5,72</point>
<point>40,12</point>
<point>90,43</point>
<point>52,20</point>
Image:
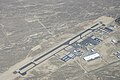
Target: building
<point>71,55</point>
<point>91,57</point>
<point>117,54</point>
<point>107,29</point>
<point>89,40</point>
<point>118,21</point>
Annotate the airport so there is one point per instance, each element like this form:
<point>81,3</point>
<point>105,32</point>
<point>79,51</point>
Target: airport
<point>86,46</point>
